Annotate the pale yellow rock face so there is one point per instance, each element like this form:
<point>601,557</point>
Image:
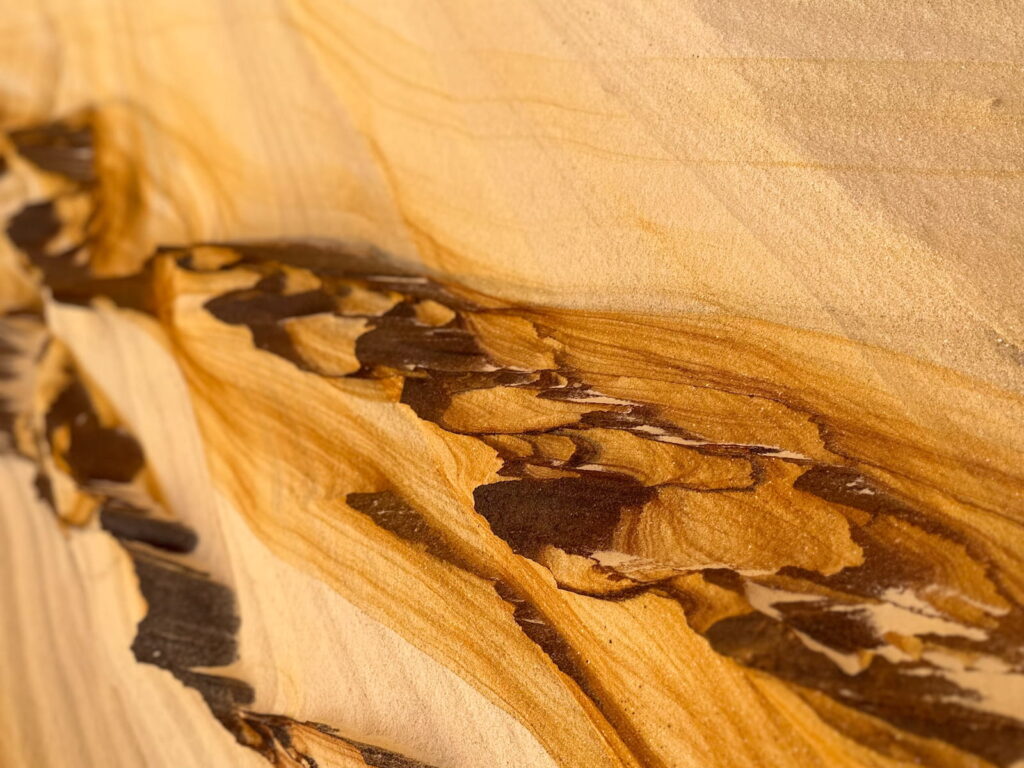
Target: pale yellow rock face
<point>472,383</point>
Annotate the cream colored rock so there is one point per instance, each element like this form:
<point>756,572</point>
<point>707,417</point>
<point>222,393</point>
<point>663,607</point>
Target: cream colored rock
<point>508,384</point>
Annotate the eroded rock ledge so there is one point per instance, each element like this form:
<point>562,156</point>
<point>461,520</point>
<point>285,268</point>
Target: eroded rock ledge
<point>565,487</point>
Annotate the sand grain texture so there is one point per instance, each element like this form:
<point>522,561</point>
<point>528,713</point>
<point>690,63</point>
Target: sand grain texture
<point>471,384</point>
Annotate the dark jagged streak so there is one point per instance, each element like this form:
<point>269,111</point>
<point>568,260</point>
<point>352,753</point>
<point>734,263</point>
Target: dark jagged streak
<point>575,514</point>
<point>190,622</point>
<point>261,308</point>
<point>882,690</point>
<point>274,732</point>
<point>60,148</point>
<point>31,228</point>
<point>129,524</point>
<point>96,452</point>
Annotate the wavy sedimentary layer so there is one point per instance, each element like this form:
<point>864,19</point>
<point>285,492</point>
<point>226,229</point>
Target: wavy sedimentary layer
<point>643,540</point>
